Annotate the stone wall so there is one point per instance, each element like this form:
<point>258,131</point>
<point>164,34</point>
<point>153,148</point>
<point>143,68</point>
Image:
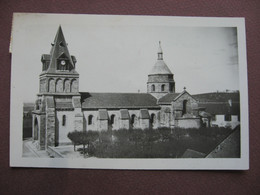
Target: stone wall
<point>160,85</point>
<point>64,127</point>
<point>59,84</point>
<point>188,123</point>
<point>115,121</point>
<point>165,116</point>
<point>51,139</point>
<point>38,129</point>
<point>191,106</point>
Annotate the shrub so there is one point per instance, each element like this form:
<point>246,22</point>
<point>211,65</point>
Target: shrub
<point>85,138</point>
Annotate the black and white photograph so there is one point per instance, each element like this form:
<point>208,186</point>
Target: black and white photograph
<point>128,92</point>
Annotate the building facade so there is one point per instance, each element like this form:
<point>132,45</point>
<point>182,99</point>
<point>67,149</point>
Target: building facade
<point>60,108</point>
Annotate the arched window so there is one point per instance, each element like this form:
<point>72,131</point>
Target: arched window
<point>153,88</point>
<point>162,87</point>
<point>66,85</point>
<point>59,85</point>
<point>51,87</point>
<point>74,85</point>
<point>133,118</point>
<point>152,119</point>
<point>112,119</point>
<point>184,110</point>
<point>90,119</point>
<point>63,120</point>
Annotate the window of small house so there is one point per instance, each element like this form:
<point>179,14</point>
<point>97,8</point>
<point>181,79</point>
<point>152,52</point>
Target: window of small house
<point>228,117</point>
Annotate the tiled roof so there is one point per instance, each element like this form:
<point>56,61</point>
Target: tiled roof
<point>230,146</point>
<point>59,48</point>
<point>221,108</point>
<point>217,97</point>
<point>219,102</point>
<point>46,57</point>
<point>160,68</point>
<point>118,100</point>
<point>167,99</point>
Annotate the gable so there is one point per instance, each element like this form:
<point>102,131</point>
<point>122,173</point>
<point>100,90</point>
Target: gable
<point>184,96</point>
<point>167,99</point>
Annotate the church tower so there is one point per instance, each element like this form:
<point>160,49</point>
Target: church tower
<point>58,69</point>
<point>58,100</point>
<point>160,79</point>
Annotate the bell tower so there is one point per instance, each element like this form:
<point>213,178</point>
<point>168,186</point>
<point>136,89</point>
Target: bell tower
<point>58,100</point>
<point>160,79</point>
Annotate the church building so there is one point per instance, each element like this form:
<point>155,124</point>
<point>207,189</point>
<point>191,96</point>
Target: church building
<point>60,108</point>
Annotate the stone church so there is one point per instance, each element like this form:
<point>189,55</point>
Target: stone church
<point>60,108</point>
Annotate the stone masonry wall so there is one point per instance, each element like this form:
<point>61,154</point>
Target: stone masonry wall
<point>188,123</point>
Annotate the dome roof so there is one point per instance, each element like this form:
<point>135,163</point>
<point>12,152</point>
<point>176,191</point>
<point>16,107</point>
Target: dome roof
<point>160,68</point>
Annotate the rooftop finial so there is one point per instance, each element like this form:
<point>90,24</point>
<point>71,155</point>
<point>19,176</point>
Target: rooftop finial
<point>184,88</point>
<point>160,52</point>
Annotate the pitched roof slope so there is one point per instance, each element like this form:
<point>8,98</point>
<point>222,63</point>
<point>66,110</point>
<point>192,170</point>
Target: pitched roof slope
<point>58,49</point>
<point>229,147</point>
<point>219,102</point>
<point>221,108</point>
<point>167,99</point>
<point>217,97</point>
<point>160,68</point>
<point>118,100</point>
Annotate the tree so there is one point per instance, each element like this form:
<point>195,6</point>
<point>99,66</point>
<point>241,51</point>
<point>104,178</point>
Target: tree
<point>85,138</point>
<point>75,138</point>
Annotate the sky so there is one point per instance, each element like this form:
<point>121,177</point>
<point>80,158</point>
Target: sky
<point>116,53</point>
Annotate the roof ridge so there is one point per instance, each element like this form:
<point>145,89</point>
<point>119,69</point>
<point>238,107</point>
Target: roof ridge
<point>116,93</point>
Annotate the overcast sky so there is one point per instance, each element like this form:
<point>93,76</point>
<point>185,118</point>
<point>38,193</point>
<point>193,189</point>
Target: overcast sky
<point>115,54</point>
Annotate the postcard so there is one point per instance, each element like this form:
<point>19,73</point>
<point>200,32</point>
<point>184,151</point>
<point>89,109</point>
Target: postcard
<point>128,92</point>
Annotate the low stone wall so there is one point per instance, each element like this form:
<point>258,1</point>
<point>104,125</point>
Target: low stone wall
<point>188,123</point>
